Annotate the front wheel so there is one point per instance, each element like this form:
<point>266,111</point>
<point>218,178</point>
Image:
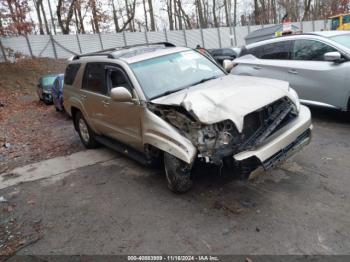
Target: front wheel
<point>178,174</point>
<point>87,136</point>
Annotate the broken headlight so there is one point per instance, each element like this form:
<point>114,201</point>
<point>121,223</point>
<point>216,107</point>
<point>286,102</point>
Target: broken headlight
<point>295,98</point>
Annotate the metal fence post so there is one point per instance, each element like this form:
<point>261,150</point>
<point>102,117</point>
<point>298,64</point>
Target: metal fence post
<point>3,51</point>
<point>248,28</point>
<point>166,35</point>
<point>219,37</point>
<point>53,45</point>
<point>78,41</point>
<point>99,36</point>
<point>29,46</point>
<point>301,25</point>
<point>234,35</point>
<point>202,37</point>
<point>231,40</point>
<point>146,37</point>
<point>124,37</point>
<point>185,38</point>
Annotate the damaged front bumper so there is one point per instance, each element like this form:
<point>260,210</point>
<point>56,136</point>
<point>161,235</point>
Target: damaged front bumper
<point>281,145</point>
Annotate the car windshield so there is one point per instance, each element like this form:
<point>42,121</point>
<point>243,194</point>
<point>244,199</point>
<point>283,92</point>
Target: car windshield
<point>170,73</point>
<point>48,80</point>
<point>342,39</point>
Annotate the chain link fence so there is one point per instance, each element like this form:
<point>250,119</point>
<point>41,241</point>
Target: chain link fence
<point>65,46</point>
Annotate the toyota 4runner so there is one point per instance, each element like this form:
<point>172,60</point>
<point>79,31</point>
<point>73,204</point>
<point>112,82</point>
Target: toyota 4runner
<point>160,101</point>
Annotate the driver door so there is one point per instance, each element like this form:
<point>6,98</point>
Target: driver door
<point>122,119</point>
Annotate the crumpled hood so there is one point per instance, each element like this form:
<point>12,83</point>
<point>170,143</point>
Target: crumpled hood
<point>227,98</point>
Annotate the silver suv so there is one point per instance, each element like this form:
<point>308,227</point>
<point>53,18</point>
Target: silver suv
<point>173,103</point>
<point>316,65</point>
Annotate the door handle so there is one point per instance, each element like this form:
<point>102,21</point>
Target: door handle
<point>105,103</point>
<point>293,71</point>
<point>257,67</point>
<point>83,96</point>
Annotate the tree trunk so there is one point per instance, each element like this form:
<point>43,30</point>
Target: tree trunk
<point>77,26</point>
<point>80,17</point>
<point>215,19</point>
<point>37,9</point>
<point>235,13</point>
<point>227,13</point>
<point>186,17</point>
<point>65,26</point>
<point>256,12</point>
<point>52,20</point>
<point>145,14</point>
<point>115,18</point>
<point>200,14</point>
<point>170,14</point>
<point>307,5</point>
<point>44,16</point>
<point>94,15</point>
<point>151,14</point>
<point>13,16</point>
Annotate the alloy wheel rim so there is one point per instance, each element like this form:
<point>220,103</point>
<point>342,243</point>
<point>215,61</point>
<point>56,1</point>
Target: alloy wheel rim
<point>84,130</point>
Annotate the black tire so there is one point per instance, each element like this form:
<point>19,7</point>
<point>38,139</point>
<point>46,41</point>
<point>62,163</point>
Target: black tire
<point>178,174</point>
<point>87,136</point>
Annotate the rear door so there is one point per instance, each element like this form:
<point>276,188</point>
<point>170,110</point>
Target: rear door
<point>314,78</point>
<point>270,62</point>
<point>94,94</point>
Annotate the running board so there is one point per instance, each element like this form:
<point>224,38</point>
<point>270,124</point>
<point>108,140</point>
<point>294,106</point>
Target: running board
<point>123,149</point>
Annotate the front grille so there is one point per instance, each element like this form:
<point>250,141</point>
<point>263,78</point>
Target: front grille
<point>261,124</point>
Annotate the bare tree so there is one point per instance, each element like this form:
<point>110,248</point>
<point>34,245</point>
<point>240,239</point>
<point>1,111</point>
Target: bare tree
<point>64,23</point>
<point>51,15</point>
<point>145,14</point>
<point>151,14</point>
<point>38,13</point>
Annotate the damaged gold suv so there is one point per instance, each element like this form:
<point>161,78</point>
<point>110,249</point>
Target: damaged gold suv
<point>161,101</point>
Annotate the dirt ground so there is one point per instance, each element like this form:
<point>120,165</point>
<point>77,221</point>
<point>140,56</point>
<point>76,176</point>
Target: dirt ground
<point>30,130</point>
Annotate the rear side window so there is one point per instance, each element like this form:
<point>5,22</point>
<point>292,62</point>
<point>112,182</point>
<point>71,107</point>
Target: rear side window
<point>256,51</point>
<point>71,72</point>
<point>95,78</point>
<point>310,50</point>
<point>278,51</point>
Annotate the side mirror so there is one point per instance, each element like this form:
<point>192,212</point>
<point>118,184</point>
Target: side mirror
<point>332,57</point>
<point>121,94</point>
<point>227,65</point>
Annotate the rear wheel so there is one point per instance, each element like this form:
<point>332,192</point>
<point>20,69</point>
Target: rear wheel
<point>86,135</point>
<point>178,174</point>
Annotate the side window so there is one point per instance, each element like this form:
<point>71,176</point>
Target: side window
<point>335,23</point>
<point>310,50</point>
<point>118,79</point>
<point>95,78</point>
<point>71,72</point>
<point>346,19</point>
<point>278,51</point>
<point>256,51</point>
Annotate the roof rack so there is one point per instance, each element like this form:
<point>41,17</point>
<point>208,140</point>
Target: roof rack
<point>108,52</point>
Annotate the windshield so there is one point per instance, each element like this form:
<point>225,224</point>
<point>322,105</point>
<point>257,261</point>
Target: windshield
<point>342,39</point>
<point>48,80</point>
<point>170,73</point>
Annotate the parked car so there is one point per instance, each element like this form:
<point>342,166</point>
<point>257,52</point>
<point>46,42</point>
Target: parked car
<point>44,88</point>
<point>221,54</point>
<point>57,93</point>
<point>316,65</point>
<point>172,102</point>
